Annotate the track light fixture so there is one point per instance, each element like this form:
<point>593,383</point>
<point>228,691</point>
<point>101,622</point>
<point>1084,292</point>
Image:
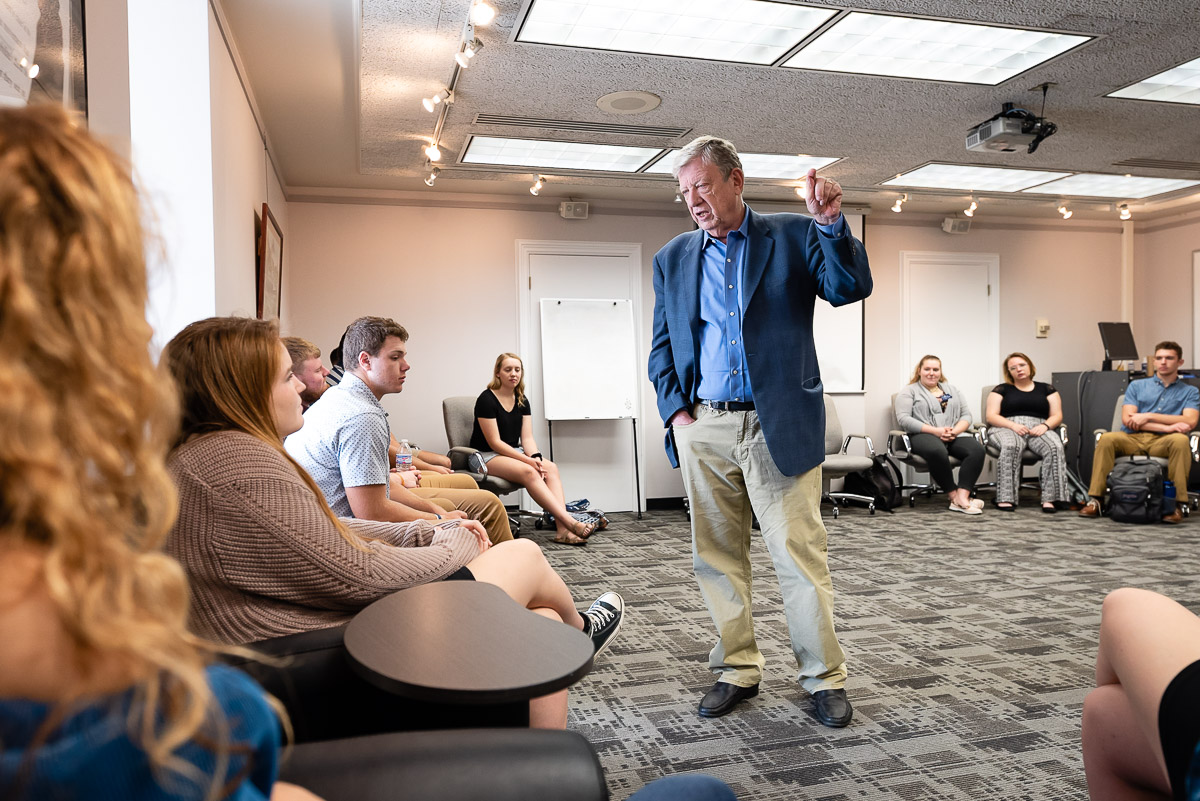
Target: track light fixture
<point>1065,212</point>
<point>469,49</point>
<point>442,96</point>
<point>1126,214</point>
<point>900,201</point>
<point>537,186</point>
<point>482,12</point>
<point>970,210</point>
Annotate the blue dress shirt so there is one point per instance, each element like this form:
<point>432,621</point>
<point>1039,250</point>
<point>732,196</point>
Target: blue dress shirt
<point>723,374</point>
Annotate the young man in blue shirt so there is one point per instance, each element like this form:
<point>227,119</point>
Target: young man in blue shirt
<point>1158,414</point>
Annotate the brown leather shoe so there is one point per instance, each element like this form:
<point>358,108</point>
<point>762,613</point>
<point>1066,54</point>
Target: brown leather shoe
<point>1090,509</point>
<point>1174,517</point>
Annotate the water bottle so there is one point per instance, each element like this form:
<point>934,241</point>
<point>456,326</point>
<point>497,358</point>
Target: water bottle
<point>404,457</point>
<point>1168,501</point>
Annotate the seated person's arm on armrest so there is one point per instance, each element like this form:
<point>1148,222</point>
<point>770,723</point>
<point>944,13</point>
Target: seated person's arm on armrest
<point>431,462</point>
<point>371,502</point>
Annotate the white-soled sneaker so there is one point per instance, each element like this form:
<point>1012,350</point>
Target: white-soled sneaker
<point>966,510</point>
<point>602,620</point>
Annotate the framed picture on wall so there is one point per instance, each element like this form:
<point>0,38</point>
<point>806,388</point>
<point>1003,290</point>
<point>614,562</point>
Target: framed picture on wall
<point>270,265</point>
<point>42,53</point>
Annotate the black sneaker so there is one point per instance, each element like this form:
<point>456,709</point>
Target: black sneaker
<point>602,620</point>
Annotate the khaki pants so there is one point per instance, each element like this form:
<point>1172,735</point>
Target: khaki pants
<point>1172,447</point>
<point>728,473</point>
<point>434,480</point>
<point>479,505</point>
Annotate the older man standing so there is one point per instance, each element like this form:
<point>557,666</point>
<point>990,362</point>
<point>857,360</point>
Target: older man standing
<point>735,369</point>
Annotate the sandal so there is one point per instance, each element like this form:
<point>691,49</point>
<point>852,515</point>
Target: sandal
<point>583,528</point>
<point>569,539</point>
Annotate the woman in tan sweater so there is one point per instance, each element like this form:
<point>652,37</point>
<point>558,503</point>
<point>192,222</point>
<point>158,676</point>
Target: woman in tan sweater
<point>266,556</point>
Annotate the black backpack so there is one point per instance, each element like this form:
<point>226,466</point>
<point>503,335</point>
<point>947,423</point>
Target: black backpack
<point>881,481</point>
<point>1135,491</point>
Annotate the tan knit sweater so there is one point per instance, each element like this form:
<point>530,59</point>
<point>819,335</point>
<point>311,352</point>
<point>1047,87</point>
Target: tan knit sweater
<point>265,561</point>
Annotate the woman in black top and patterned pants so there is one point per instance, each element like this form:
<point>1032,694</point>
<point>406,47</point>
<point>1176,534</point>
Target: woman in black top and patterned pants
<point>503,433</point>
<point>1025,413</point>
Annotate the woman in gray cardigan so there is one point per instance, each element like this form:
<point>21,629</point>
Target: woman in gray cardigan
<point>936,416</point>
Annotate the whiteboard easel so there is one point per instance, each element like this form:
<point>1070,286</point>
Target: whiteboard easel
<point>589,366</point>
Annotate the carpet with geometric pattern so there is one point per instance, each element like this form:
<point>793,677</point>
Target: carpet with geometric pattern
<point>970,643</point>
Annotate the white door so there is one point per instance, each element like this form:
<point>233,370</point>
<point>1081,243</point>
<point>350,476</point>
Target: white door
<point>595,457</point>
<point>951,309</point>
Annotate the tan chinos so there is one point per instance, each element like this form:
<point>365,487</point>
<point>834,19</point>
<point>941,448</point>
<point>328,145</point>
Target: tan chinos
<point>1172,447</point>
<point>728,473</point>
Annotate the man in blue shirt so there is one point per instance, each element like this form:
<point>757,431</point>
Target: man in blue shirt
<point>735,369</point>
<point>1158,414</point>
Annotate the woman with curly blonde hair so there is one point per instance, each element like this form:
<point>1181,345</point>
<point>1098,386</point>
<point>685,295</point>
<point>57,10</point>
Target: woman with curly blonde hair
<point>103,692</point>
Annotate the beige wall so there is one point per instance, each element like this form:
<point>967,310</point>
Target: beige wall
<point>242,181</point>
<point>450,276</point>
<point>1068,274</point>
<point>1163,287</point>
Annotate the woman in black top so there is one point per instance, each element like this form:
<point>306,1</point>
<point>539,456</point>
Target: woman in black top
<point>503,433</point>
<point>1025,413</point>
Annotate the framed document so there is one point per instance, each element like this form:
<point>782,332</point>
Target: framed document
<point>270,265</point>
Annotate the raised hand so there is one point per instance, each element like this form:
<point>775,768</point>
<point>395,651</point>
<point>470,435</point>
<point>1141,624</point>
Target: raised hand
<point>823,197</point>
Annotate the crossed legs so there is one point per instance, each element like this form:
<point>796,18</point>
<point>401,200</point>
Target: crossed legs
<point>546,492</point>
<point>1146,639</point>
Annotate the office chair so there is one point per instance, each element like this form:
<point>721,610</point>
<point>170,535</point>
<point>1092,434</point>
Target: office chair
<point>458,413</point>
<point>839,464</point>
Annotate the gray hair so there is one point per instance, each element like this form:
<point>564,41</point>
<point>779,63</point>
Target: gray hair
<point>710,150</point>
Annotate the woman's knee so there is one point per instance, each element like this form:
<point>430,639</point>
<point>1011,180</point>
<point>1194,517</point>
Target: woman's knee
<point>525,551</point>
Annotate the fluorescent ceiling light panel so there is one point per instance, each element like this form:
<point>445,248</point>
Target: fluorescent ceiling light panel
<point>979,179</point>
<point>556,155</point>
<point>744,31</point>
<point>1179,85</point>
<point>758,165</point>
<point>1098,185</point>
<point>930,50</point>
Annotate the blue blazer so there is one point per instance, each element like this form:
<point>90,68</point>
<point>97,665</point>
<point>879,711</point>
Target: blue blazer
<point>789,263</point>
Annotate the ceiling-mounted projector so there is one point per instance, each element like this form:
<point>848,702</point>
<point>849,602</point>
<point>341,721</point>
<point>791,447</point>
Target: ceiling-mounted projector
<point>1010,130</point>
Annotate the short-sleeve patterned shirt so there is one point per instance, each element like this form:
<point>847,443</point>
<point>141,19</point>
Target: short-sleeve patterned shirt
<point>344,442</point>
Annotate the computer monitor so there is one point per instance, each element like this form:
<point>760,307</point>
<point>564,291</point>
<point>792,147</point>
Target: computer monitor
<point>1118,344</point>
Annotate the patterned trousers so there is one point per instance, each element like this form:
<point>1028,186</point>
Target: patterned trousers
<point>1008,463</point>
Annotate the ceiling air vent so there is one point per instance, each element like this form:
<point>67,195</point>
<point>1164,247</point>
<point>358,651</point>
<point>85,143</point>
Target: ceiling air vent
<point>1160,164</point>
<point>576,125</point>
